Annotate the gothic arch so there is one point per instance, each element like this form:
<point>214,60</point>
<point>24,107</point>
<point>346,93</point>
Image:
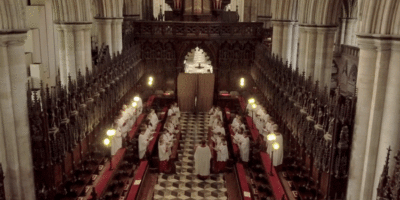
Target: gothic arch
<point>285,9</point>
<point>381,17</point>
<point>12,14</point>
<point>187,47</point>
<point>72,11</point>
<point>319,12</point>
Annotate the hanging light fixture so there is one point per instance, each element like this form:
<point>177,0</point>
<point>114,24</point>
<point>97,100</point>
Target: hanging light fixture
<point>251,101</point>
<point>111,132</point>
<point>241,82</point>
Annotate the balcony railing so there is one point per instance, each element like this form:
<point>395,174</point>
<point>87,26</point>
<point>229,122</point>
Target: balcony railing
<point>350,50</point>
<point>211,30</point>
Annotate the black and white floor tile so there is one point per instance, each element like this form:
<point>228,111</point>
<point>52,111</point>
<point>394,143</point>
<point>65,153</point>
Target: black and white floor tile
<point>185,184</point>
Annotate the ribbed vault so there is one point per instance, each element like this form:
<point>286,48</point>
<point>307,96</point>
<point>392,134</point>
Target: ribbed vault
<point>319,12</point>
<point>12,14</point>
<point>110,8</point>
<point>284,9</point>
<point>72,11</point>
<point>383,17</point>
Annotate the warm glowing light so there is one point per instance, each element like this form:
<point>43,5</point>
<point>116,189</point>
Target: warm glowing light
<point>106,141</point>
<point>271,137</point>
<point>136,98</point>
<point>111,132</point>
<point>150,78</point>
<point>252,100</point>
<point>275,146</point>
<point>134,104</point>
<point>254,106</point>
<point>242,82</point>
<point>150,83</point>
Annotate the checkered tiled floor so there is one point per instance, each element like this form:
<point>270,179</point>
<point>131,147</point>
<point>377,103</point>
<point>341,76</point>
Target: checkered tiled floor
<point>185,184</point>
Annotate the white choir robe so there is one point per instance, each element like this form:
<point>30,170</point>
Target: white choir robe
<point>170,112</point>
<point>170,128</point>
<point>217,140</point>
<point>116,142</point>
<point>211,120</point>
<point>202,158</point>
<point>211,112</point>
<point>219,129</point>
<point>236,130</point>
<point>239,138</point>
<point>139,106</point>
<point>154,120</point>
<point>219,114</point>
<point>235,122</point>
<point>143,142</point>
<point>245,149</point>
<point>175,121</point>
<point>278,154</point>
<point>148,132</point>
<point>177,111</point>
<point>163,154</point>
<point>222,153</point>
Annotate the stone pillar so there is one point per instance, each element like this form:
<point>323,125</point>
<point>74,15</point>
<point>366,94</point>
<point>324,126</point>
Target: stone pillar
<point>348,30</point>
<point>70,59</point>
<point>14,111</point>
<point>287,34</point>
<point>116,26</point>
<point>365,85</point>
<point>310,51</point>
<point>316,52</point>
<point>277,38</point>
<point>302,51</point>
<point>295,43</point>
<point>105,33</point>
<point>75,50</point>
<point>282,39</point>
<point>61,53</point>
<point>324,55</point>
<point>375,116</point>
<point>88,47</point>
<point>390,128</point>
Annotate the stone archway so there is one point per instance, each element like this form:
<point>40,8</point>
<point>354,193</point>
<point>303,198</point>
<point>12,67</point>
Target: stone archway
<point>197,61</point>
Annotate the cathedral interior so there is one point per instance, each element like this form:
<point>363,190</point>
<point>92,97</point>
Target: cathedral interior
<point>115,99</point>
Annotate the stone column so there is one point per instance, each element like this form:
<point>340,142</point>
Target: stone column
<point>88,47</point>
<point>375,117</point>
<point>277,38</point>
<point>75,49</point>
<point>116,26</point>
<point>61,54</point>
<point>302,50</point>
<point>287,41</point>
<point>14,111</point>
<point>80,54</point>
<point>390,128</point>
<point>348,30</point>
<point>105,33</point>
<point>365,84</point>
<point>324,55</point>
<point>295,43</point>
<point>310,51</point>
<point>69,38</point>
<point>316,52</point>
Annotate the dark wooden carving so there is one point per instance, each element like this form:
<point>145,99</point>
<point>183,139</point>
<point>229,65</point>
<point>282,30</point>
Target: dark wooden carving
<point>389,186</point>
<point>317,126</point>
<point>67,121</point>
<point>2,192</point>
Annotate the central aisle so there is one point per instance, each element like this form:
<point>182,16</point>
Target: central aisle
<point>184,184</point>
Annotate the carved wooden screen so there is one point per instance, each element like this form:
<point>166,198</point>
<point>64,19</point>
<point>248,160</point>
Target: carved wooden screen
<point>187,84</point>
<point>195,92</point>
